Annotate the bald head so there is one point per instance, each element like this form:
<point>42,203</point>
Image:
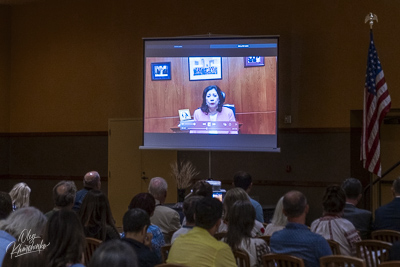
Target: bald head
<point>92,180</point>
<point>158,188</point>
<point>294,204</point>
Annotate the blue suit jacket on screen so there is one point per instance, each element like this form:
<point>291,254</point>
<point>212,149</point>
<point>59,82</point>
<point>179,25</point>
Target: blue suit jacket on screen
<point>388,216</point>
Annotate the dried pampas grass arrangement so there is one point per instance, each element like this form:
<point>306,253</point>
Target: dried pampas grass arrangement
<point>183,173</point>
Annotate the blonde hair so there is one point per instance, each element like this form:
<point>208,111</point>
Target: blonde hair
<point>279,218</point>
<point>20,195</point>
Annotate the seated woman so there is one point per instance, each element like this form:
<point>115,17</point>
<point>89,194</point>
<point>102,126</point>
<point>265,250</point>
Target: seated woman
<point>64,234</point>
<point>332,226</point>
<point>242,217</point>
<point>96,218</point>
<point>146,202</point>
<point>278,221</point>
<point>20,194</point>
<point>231,197</point>
<point>212,109</point>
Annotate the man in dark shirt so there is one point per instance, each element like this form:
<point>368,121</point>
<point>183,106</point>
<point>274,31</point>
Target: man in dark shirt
<point>135,223</point>
<point>388,216</point>
<point>361,219</point>
<point>91,181</point>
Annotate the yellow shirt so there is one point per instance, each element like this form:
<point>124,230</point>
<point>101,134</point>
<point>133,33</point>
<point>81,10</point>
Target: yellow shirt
<point>198,248</point>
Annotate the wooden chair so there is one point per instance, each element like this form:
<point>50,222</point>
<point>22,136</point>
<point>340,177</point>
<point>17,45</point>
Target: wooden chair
<point>341,261</point>
<point>335,247</point>
<point>266,238</point>
<point>164,252</point>
<point>390,264</point>
<point>242,258</point>
<point>91,245</point>
<point>281,260</point>
<point>170,265</point>
<point>390,236</point>
<point>220,235</point>
<point>168,237</point>
<point>373,251</point>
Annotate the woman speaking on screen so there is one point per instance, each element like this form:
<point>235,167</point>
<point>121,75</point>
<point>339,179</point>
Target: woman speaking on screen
<point>212,109</point>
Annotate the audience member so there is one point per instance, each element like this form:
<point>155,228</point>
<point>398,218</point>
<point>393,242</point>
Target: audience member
<point>135,223</point>
<point>114,253</point>
<point>65,235</point>
<point>279,219</point>
<point>63,196</point>
<point>361,219</point>
<point>5,205</point>
<point>296,239</point>
<point>243,180</point>
<point>241,222</point>
<point>189,206</point>
<point>394,252</point>
<point>20,194</point>
<point>91,181</point>
<point>96,217</point>
<point>388,216</point>
<point>164,217</point>
<point>28,220</point>
<point>233,195</point>
<point>332,226</point>
<point>201,188</point>
<point>146,202</point>
<point>199,248</point>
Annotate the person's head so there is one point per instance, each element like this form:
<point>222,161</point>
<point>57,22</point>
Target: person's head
<point>144,201</point>
<point>158,187</point>
<point>135,221</point>
<point>92,180</point>
<point>189,208</point>
<point>243,180</point>
<point>334,199</point>
<point>213,99</point>
<point>65,235</point>
<point>202,188</point>
<point>279,218</point>
<point>5,205</point>
<point>352,188</point>
<point>114,253</point>
<point>24,219</point>
<point>241,222</point>
<point>64,194</point>
<point>20,195</point>
<point>233,195</point>
<point>208,213</point>
<point>294,204</point>
<point>96,211</point>
<point>396,187</point>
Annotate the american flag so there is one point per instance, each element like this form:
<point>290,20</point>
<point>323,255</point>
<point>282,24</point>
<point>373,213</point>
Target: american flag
<point>376,105</point>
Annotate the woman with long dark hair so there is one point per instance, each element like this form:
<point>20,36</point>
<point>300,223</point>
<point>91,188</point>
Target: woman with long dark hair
<point>66,240</point>
<point>96,218</point>
<point>241,222</point>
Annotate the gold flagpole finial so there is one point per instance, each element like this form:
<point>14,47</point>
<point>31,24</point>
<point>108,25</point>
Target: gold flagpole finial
<point>370,19</point>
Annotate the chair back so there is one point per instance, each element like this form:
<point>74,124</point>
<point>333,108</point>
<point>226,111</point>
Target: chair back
<point>91,245</point>
<point>341,261</point>
<point>242,258</point>
<point>373,251</point>
<point>266,238</point>
<point>281,260</point>
<point>168,237</point>
<point>390,236</point>
<point>170,265</point>
<point>220,235</point>
<point>390,264</point>
<point>335,247</point>
<point>164,252</point>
